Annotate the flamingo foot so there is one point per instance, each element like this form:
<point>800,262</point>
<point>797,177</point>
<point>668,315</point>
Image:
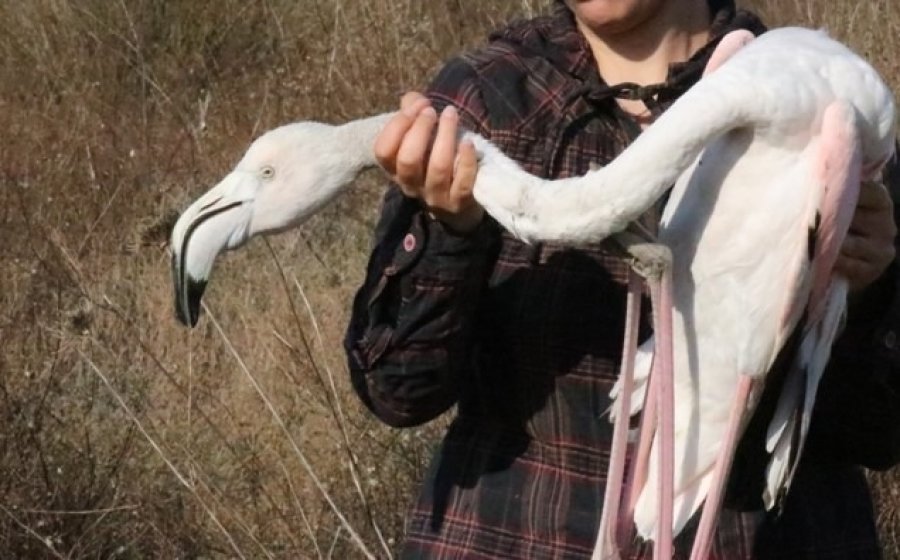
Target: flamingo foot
<point>661,299</point>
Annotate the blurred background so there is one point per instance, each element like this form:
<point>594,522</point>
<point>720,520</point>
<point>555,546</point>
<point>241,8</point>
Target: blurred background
<point>124,435</point>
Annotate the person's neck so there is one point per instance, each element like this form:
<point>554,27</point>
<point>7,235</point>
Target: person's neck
<point>643,54</point>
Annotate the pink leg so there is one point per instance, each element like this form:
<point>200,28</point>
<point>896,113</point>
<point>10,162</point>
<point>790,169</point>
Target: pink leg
<point>654,262</point>
<point>638,475</point>
<point>710,515</point>
<point>661,297</point>
<point>607,546</point>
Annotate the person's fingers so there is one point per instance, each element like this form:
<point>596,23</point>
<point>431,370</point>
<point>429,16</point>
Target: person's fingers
<point>440,164</point>
<point>859,273</point>
<point>412,103</point>
<point>873,195</point>
<point>391,136</point>
<point>867,249</point>
<point>874,224</point>
<point>851,268</point>
<point>874,214</point>
<point>863,259</point>
<point>410,172</point>
<point>465,173</point>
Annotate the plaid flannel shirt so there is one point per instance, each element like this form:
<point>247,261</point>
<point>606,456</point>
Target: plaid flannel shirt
<point>526,340</point>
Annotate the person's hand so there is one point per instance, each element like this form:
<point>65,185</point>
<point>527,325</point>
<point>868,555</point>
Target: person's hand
<point>869,246</point>
<point>440,174</point>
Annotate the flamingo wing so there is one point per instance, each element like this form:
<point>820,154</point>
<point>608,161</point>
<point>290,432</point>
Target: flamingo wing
<point>837,172</point>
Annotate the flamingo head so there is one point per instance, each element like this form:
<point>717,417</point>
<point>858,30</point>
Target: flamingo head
<point>285,176</point>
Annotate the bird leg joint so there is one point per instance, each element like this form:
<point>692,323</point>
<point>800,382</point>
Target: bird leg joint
<point>647,258</point>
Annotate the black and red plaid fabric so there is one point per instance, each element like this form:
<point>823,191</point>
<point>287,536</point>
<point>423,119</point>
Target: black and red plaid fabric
<point>526,339</point>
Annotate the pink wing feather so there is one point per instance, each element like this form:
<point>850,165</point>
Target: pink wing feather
<point>838,171</point>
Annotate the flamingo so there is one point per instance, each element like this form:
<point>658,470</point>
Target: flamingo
<point>766,153</point>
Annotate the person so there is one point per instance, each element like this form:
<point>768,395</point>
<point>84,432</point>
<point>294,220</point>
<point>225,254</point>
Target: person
<point>525,339</point>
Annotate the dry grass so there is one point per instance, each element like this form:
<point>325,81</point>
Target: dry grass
<point>124,435</point>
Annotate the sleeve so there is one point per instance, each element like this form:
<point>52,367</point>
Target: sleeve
<point>409,338</point>
<point>857,413</point>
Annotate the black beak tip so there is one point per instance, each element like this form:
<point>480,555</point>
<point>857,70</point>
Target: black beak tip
<point>187,308</point>
<point>188,293</point>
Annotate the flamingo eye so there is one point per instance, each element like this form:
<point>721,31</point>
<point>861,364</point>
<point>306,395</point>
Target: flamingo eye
<point>267,172</point>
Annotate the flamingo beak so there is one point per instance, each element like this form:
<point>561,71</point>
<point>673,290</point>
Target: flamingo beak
<point>217,222</point>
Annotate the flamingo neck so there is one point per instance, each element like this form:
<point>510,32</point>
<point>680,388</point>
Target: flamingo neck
<point>589,208</point>
<point>355,141</point>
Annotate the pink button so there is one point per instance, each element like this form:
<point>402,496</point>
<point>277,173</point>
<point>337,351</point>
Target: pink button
<point>409,242</point>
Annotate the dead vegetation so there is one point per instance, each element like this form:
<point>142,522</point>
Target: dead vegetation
<point>121,433</point>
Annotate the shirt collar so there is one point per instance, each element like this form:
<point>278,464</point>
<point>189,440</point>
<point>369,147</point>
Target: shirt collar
<point>568,49</point>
